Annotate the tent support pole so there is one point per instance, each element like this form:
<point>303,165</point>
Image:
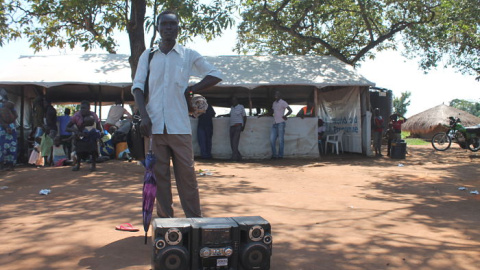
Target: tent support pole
<point>250,104</point>
<point>315,101</point>
<point>23,157</point>
<point>100,98</point>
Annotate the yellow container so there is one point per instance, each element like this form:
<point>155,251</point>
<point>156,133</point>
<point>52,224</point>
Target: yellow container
<point>120,147</point>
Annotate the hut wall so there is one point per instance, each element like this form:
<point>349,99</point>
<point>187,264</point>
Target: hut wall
<point>429,134</point>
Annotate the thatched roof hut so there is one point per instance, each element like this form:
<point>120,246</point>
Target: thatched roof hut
<point>432,120</point>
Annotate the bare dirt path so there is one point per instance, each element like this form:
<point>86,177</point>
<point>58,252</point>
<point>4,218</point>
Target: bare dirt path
<point>337,212</point>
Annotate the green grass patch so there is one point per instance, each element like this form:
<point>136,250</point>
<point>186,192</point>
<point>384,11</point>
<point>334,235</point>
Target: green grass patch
<point>413,141</point>
<point>416,141</point>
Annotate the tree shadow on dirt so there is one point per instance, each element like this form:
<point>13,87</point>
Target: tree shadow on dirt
<point>119,254</point>
<point>115,193</point>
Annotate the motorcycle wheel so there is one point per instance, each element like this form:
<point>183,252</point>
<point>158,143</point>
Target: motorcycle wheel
<point>441,141</point>
<point>474,144</point>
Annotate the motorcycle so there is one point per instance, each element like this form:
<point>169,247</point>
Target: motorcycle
<point>466,137</point>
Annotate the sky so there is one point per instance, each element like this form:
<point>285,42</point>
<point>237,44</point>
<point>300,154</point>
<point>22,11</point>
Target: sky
<point>388,70</point>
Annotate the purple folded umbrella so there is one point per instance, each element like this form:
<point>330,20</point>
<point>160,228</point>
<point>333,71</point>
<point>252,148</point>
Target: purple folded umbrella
<point>149,190</point>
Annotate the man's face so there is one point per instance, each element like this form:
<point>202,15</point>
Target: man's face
<point>168,27</point>
<point>84,109</point>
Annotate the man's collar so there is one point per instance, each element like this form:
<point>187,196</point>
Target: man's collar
<point>177,48</point>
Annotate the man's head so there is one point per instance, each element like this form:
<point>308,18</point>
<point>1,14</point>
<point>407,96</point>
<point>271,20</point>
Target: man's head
<point>67,111</point>
<point>234,101</point>
<point>376,111</point>
<point>167,25</point>
<point>278,95</point>
<point>85,107</point>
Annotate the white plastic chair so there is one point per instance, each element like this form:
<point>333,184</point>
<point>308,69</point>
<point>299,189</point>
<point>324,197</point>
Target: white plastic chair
<point>336,140</point>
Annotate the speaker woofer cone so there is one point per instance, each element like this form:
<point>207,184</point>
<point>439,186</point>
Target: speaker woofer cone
<point>172,258</point>
<point>255,256</point>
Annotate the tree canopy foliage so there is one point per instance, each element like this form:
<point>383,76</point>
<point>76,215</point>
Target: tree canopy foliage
<point>453,38</point>
<point>438,31</point>
<point>401,103</point>
<point>467,106</point>
<point>353,30</point>
<point>93,23</point>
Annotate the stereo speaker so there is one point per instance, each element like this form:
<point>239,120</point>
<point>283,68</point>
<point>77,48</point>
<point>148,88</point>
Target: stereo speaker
<point>255,243</point>
<point>227,243</point>
<point>171,244</point>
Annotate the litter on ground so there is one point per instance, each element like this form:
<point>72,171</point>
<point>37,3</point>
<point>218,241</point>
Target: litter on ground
<point>44,192</point>
<point>204,172</point>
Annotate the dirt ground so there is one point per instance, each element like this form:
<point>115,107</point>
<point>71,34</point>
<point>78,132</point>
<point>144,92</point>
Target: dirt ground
<point>337,212</point>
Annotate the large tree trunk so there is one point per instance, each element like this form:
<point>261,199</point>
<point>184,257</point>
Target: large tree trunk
<point>136,33</point>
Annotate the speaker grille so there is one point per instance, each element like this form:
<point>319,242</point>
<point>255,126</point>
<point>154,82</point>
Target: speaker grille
<point>255,255</point>
<point>172,258</point>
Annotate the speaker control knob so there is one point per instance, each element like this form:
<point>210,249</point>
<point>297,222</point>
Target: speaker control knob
<point>228,252</point>
<point>205,252</point>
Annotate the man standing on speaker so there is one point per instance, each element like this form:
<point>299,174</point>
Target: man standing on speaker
<point>165,116</point>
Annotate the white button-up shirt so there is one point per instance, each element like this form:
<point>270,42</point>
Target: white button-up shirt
<point>279,108</point>
<point>169,76</point>
<point>236,114</point>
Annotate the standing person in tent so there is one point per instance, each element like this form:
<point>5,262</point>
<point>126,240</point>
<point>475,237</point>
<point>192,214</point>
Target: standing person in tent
<point>38,116</point>
<point>165,116</point>
<point>205,132</point>
<point>87,128</point>
<point>50,118</point>
<point>279,122</point>
<point>238,120</point>
<point>65,136</point>
<point>377,132</point>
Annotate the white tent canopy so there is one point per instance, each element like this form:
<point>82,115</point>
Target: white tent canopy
<point>107,77</point>
<point>104,78</point>
<point>239,71</point>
